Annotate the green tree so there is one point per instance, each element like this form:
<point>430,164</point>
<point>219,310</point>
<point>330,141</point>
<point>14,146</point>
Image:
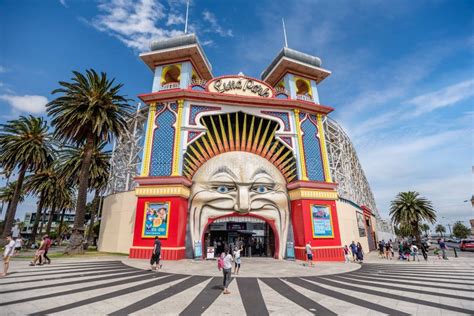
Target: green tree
<point>425,227</point>
<point>410,209</point>
<point>89,110</point>
<point>440,229</point>
<point>99,171</point>
<point>6,195</point>
<point>460,230</point>
<point>24,144</point>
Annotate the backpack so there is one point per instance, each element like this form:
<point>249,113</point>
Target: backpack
<point>220,263</point>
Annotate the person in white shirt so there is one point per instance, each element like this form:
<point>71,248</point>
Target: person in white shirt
<point>237,259</point>
<point>9,248</point>
<point>414,252</point>
<point>227,270</point>
<point>18,244</point>
<point>309,254</point>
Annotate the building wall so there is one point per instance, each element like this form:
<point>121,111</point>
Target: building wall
<point>118,219</point>
<point>346,214</point>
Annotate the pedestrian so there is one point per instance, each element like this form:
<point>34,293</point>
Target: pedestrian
<point>227,270</point>
<point>155,255</point>
<point>47,245</point>
<point>18,245</point>
<point>443,248</point>
<point>381,248</point>
<point>424,250</point>
<point>237,259</point>
<point>360,253</point>
<point>414,252</point>
<point>354,251</point>
<point>347,257</point>
<point>7,254</point>
<point>388,246</point>
<point>400,251</point>
<point>309,253</point>
<point>38,259</point>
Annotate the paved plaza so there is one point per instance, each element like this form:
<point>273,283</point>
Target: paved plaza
<point>119,286</point>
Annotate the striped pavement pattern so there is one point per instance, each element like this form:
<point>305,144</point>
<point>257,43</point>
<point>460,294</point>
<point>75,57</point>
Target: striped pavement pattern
<point>113,288</point>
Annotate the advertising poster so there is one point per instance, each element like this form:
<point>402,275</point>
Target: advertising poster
<point>361,224</point>
<point>322,223</point>
<point>156,220</point>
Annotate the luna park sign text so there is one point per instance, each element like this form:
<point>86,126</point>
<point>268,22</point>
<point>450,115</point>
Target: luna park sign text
<point>239,85</point>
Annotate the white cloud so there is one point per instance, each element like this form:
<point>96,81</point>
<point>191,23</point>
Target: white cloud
<point>174,19</point>
<point>2,69</point>
<point>26,103</point>
<point>138,23</point>
<point>445,97</point>
<point>63,3</point>
<point>215,26</point>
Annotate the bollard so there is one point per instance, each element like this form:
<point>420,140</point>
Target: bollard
<point>455,253</point>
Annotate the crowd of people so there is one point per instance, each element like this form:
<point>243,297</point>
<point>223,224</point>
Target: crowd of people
<point>251,246</point>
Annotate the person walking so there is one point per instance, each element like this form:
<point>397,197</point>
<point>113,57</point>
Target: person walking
<point>155,256</point>
<point>443,248</point>
<point>414,252</point>
<point>18,245</point>
<point>347,257</point>
<point>227,270</point>
<point>47,245</point>
<point>38,259</point>
<point>354,251</point>
<point>381,248</point>
<point>7,254</point>
<point>309,254</point>
<point>388,246</point>
<point>360,253</point>
<point>237,260</point>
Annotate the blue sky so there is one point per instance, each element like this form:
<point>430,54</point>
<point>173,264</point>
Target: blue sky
<point>402,83</point>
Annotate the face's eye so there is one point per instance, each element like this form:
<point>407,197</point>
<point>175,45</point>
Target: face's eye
<point>224,188</point>
<point>262,188</point>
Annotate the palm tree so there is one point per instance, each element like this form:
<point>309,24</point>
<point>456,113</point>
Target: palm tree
<point>99,171</point>
<point>58,196</point>
<point>410,209</point>
<point>6,195</point>
<point>440,229</point>
<point>425,227</point>
<point>89,110</point>
<point>24,144</point>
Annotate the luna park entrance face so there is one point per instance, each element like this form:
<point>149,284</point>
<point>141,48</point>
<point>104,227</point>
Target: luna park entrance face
<point>253,235</point>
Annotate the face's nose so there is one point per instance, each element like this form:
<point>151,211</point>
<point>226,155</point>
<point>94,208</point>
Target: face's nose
<point>243,202</point>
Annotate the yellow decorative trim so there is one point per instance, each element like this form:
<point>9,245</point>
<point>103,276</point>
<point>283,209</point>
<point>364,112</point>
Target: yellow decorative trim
<point>150,127</point>
<point>165,248</point>
<point>304,174</point>
<point>305,193</point>
<point>308,84</point>
<point>322,140</point>
<point>163,190</point>
<point>165,71</point>
<point>323,247</point>
<point>177,139</point>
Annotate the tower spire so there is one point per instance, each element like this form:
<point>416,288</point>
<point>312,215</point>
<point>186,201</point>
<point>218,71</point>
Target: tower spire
<point>284,32</point>
<point>186,22</point>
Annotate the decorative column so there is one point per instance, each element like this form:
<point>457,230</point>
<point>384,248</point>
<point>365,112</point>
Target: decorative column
<point>302,162</point>
<point>322,140</point>
<point>148,140</point>
<point>177,139</point>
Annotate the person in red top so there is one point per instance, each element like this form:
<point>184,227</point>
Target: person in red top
<point>46,248</point>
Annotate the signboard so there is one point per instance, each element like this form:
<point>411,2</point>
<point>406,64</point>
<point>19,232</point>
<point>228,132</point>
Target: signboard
<point>218,227</point>
<point>210,253</point>
<point>290,250</point>
<point>240,85</point>
<point>197,250</point>
<point>361,224</point>
<point>236,226</point>
<point>322,222</point>
<point>156,220</point>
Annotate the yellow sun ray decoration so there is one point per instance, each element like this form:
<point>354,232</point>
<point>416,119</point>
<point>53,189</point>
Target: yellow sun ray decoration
<point>226,133</point>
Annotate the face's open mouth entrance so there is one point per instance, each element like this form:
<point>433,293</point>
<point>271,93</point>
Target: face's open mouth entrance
<point>254,235</point>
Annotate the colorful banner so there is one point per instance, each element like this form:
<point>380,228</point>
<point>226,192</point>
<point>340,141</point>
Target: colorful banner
<point>322,222</point>
<point>156,220</point>
<point>361,224</point>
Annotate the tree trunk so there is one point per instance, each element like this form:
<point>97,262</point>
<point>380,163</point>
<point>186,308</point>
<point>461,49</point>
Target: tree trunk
<point>75,245</point>
<point>95,206</point>
<point>7,230</point>
<point>41,226</point>
<point>50,219</point>
<point>60,228</point>
<point>39,213</point>
<point>416,231</point>
<point>6,215</point>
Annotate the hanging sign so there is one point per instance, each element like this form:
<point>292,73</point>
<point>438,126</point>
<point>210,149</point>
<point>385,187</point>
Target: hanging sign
<point>156,220</point>
<point>321,221</point>
<point>240,85</point>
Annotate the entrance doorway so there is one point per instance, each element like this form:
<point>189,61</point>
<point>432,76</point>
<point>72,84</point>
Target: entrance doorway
<point>254,235</point>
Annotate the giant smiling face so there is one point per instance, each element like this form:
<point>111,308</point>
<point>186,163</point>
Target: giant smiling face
<point>239,182</point>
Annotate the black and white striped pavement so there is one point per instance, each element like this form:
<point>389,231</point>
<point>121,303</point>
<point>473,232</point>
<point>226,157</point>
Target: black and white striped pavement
<point>111,287</point>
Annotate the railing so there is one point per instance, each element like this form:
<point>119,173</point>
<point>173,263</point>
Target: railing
<point>171,85</point>
<point>198,82</point>
<point>304,97</point>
